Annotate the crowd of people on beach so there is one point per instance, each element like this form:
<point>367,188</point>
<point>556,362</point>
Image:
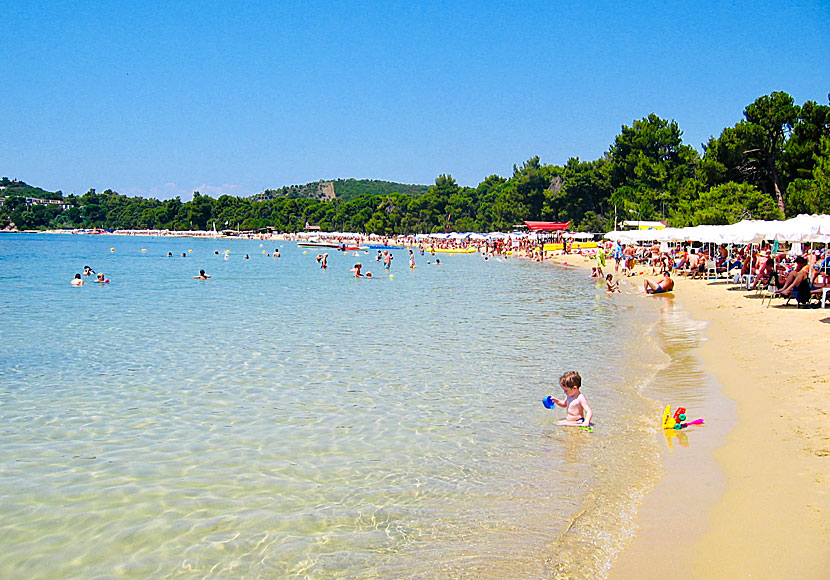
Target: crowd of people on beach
<point>798,273</point>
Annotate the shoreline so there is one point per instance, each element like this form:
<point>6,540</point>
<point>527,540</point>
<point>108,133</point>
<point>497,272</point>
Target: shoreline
<point>767,517</point>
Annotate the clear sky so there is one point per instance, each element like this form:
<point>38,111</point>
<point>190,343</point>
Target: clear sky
<point>160,99</point>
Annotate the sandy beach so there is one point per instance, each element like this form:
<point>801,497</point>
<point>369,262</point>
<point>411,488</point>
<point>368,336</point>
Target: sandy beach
<point>762,508</point>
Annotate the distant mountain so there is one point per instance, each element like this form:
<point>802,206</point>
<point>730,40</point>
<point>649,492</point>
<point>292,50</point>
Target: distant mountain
<point>341,189</point>
<point>10,187</point>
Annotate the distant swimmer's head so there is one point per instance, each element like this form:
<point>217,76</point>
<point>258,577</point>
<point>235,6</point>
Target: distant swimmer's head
<point>169,254</point>
<point>77,276</point>
<point>184,255</point>
<point>216,252</point>
<point>201,273</point>
<point>368,274</point>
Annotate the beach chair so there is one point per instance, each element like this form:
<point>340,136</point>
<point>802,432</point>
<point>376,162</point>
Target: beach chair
<point>712,269</point>
<point>768,292</point>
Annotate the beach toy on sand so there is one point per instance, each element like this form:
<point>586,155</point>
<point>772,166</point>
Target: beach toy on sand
<point>678,420</point>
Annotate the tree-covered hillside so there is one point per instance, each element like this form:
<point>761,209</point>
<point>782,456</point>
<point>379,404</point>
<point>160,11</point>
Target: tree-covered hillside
<point>344,189</point>
<point>773,162</point>
<point>12,187</point>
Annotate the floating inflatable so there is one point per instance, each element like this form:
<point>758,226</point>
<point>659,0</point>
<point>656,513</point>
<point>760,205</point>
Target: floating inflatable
<point>455,250</point>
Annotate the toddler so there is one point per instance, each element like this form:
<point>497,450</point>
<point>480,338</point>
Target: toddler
<point>579,411</point>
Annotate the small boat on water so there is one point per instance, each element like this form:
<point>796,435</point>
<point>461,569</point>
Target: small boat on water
<point>381,247</point>
<point>332,245</point>
<point>319,245</point>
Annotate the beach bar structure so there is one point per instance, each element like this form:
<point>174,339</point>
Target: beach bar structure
<point>547,226</point>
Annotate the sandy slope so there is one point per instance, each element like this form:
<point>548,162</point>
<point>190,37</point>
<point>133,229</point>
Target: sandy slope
<point>772,520</point>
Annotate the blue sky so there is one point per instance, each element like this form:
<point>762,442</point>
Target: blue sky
<point>160,99</point>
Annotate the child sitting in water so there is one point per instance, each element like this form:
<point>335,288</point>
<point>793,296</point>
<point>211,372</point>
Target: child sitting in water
<point>579,411</point>
<point>610,286</point>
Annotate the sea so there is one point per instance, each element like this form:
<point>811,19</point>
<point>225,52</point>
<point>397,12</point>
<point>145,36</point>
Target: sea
<point>280,420</point>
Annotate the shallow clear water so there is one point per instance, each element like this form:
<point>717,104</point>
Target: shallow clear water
<point>281,420</point>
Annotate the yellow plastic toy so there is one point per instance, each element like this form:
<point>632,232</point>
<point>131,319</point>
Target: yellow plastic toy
<point>668,421</point>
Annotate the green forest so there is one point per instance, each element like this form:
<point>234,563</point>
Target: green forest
<point>773,163</point>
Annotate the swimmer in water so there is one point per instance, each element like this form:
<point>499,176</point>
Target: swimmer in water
<point>169,254</point>
<point>276,253</point>
<point>77,280</point>
<point>324,261</point>
<point>202,275</point>
<point>101,280</point>
<point>88,271</point>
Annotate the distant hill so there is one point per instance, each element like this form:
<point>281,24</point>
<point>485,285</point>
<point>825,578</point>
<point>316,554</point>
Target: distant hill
<point>341,189</point>
<point>10,187</point>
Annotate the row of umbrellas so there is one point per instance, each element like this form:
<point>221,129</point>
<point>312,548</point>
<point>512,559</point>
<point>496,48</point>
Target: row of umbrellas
<point>803,228</point>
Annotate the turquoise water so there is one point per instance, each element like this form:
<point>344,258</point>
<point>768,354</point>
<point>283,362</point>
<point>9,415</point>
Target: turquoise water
<point>280,420</point>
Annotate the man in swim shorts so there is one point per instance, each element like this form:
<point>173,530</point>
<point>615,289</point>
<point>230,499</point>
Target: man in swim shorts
<point>664,285</point>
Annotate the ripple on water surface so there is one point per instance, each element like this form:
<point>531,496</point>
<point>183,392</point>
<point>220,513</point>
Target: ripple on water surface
<point>281,420</point>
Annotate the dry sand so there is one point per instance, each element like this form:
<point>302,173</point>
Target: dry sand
<point>762,510</point>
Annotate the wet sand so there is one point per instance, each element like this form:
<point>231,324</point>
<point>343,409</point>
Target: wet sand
<point>750,498</point>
